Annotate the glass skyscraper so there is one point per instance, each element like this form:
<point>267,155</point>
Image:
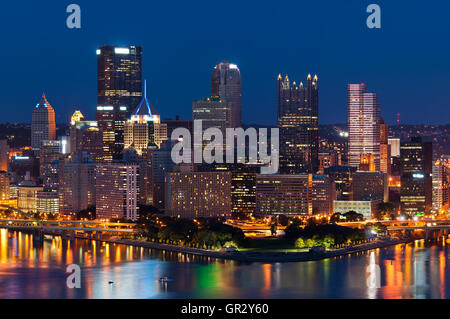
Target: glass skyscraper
<point>298,121</point>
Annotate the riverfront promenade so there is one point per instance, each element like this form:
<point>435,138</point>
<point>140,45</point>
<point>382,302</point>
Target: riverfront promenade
<point>265,256</point>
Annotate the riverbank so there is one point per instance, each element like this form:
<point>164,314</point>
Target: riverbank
<point>265,256</point>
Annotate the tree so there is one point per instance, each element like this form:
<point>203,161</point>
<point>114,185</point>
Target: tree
<point>273,229</point>
<point>353,216</point>
<point>283,220</point>
<point>385,210</point>
<point>335,218</point>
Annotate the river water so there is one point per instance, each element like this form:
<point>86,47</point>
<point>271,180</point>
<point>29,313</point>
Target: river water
<point>30,270</point>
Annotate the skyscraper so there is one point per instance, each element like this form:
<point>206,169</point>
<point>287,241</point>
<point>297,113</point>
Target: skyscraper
<point>298,121</point>
<point>4,155</point>
<point>85,136</point>
<point>416,176</point>
<point>213,112</point>
<point>43,127</point>
<point>385,149</point>
<point>119,75</point>
<point>363,124</point>
<point>226,86</point>
<point>144,128</point>
<point>117,190</point>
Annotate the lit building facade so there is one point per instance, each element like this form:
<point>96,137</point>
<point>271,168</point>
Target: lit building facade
<point>385,149</point>
<point>323,195</point>
<point>76,186</point>
<point>328,159</point>
<point>441,186</point>
<point>198,194</point>
<point>289,195</point>
<point>144,128</point>
<point>27,196</point>
<point>47,202</point>
<point>85,136</point>
<point>4,155</point>
<point>4,186</point>
<point>298,121</point>
<point>370,186</point>
<point>363,124</point>
<point>117,191</point>
<point>416,176</point>
<point>366,208</point>
<point>213,112</point>
<point>343,179</point>
<point>43,127</point>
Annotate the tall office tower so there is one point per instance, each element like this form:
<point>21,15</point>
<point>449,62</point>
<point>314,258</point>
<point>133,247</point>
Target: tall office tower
<point>385,149</point>
<point>198,194</point>
<point>213,112</point>
<point>43,125</point>
<point>226,86</point>
<point>243,184</point>
<point>174,124</point>
<point>4,186</point>
<point>441,186</point>
<point>77,184</point>
<point>370,186</point>
<point>298,121</point>
<point>49,159</point>
<point>119,76</point>
<point>117,190</point>
<point>144,128</point>
<point>4,155</point>
<point>85,136</point>
<point>416,178</point>
<point>363,124</point>
<point>111,122</point>
<point>283,194</point>
<point>323,195</point>
<point>343,178</point>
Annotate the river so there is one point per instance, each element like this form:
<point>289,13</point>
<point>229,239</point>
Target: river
<point>30,270</point>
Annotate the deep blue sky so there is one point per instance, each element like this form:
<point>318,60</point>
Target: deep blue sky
<point>407,62</point>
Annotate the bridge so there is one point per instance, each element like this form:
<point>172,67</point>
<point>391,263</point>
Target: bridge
<point>69,229</point>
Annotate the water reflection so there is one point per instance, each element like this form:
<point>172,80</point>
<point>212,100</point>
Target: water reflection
<point>37,270</point>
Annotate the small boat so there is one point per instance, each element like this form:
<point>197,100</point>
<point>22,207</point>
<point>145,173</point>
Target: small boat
<point>110,282</point>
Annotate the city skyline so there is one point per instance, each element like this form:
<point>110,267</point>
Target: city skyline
<point>69,61</point>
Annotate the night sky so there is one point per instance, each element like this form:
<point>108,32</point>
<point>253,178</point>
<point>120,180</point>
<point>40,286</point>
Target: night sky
<point>407,62</point>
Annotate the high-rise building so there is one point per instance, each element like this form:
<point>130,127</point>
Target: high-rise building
<point>144,128</point>
<point>27,196</point>
<point>343,178</point>
<point>363,124</point>
<point>395,146</point>
<point>441,186</point>
<point>76,185</point>
<point>385,149</point>
<point>226,86</point>
<point>367,162</point>
<point>4,186</point>
<point>119,72</point>
<point>198,194</point>
<point>119,76</point>
<point>213,112</point>
<point>284,195</point>
<point>47,202</point>
<point>4,155</point>
<point>416,176</point>
<point>85,136</point>
<point>328,159</point>
<point>111,122</point>
<point>369,185</point>
<point>43,127</point>
<point>323,195</point>
<point>298,121</point>
<point>243,184</point>
<point>117,190</point>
